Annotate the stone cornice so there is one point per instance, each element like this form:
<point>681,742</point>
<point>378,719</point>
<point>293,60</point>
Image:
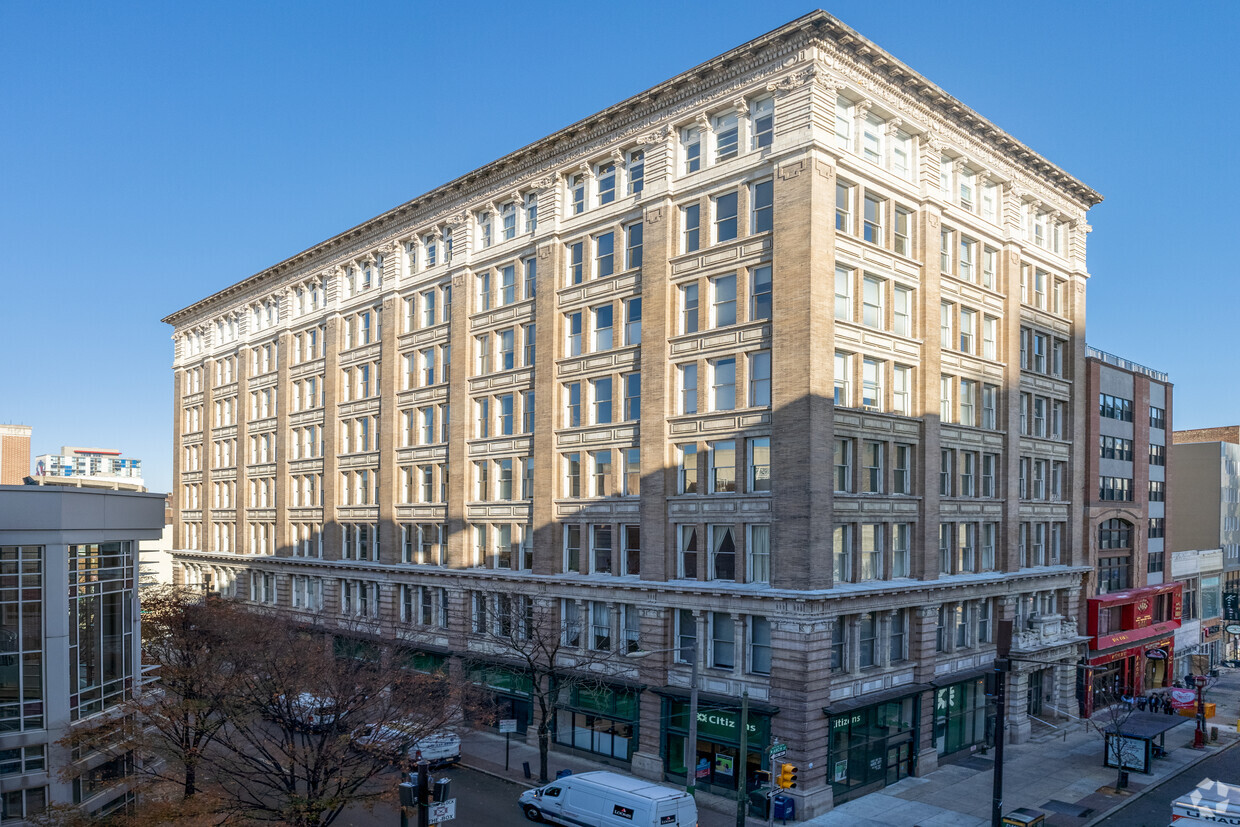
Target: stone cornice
<point>635,118</point>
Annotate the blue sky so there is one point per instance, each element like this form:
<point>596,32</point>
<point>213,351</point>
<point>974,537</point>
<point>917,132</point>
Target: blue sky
<point>153,153</point>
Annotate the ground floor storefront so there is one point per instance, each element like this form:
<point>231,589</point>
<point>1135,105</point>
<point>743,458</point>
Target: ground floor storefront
<point>873,741</point>
<point>599,721</point>
<point>716,758</point>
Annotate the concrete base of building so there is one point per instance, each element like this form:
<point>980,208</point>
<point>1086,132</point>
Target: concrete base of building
<point>648,765</point>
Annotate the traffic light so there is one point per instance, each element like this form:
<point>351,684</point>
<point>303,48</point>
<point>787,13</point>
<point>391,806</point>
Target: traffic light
<point>787,776</point>
<point>762,777</point>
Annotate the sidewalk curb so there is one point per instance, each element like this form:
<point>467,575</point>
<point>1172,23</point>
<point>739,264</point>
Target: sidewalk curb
<point>494,774</point>
<point>1203,756</point>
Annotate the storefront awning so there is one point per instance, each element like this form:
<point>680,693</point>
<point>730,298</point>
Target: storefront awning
<point>871,698</point>
<point>714,700</point>
<point>957,677</point>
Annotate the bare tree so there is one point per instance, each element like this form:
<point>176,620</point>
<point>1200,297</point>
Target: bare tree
<point>558,649</point>
<point>312,730</point>
<point>257,718</point>
<point>171,725</point>
<point>1112,711</point>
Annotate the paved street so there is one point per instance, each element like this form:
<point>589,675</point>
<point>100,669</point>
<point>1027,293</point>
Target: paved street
<point>481,799</point>
<point>1153,809</point>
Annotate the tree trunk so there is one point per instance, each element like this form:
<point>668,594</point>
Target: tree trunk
<point>191,771</point>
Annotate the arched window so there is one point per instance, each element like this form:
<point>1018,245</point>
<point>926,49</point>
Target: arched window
<point>1115,534</point>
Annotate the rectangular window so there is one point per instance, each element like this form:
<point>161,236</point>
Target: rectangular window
<point>990,406</point>
<point>902,312</point>
<point>867,641</point>
<point>762,116</point>
<point>691,148</point>
<point>723,467</point>
<point>688,388</point>
<point>871,467</point>
<point>722,641</point>
<point>902,478</point>
<point>760,379</point>
<point>691,227</point>
<point>604,255</point>
<point>602,400</point>
<point>841,553</point>
<point>760,293</point>
<point>947,407</point>
<point>572,418</point>
<point>968,402</point>
<point>687,472</point>
<point>633,246</point>
<point>530,266</point>
<point>843,465</point>
<point>572,346</point>
<point>726,128</point>
<point>946,471</point>
<point>872,384</point>
<point>900,544</point>
<point>603,328</point>
<point>689,308</point>
<point>762,197</point>
<point>759,547</point>
<point>872,218</point>
<point>600,549</point>
<point>843,294</point>
<point>632,471</point>
<point>632,396</point>
<point>872,302</point>
<point>989,464</point>
<point>843,122</point>
<point>843,379</point>
<point>576,262</point>
<point>636,165</point>
<point>759,464</point>
<point>725,217</point>
<point>843,208</point>
<point>723,388</point>
<point>902,232</point>
<point>968,330</point>
<point>507,349</point>
<point>723,300</point>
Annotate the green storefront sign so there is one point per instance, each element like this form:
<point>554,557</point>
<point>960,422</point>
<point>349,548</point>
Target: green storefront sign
<point>722,725</point>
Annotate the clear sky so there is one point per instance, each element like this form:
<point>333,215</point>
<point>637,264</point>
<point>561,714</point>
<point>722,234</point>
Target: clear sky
<point>154,153</point>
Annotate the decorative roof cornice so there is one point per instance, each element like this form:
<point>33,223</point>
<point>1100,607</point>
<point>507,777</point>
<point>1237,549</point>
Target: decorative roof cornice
<point>815,28</point>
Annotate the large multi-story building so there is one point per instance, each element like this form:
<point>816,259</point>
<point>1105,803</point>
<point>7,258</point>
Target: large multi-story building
<point>1205,474</point>
<point>87,467</point>
<point>606,372</point>
<point>14,453</point>
<point>69,632</point>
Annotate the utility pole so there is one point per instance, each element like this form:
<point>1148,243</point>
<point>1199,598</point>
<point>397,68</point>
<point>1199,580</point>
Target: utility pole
<point>424,794</point>
<point>742,772</point>
<point>1003,648</point>
<point>691,760</point>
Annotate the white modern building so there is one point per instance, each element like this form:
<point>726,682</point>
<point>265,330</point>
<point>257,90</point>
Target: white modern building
<point>89,466</point>
<point>70,643</point>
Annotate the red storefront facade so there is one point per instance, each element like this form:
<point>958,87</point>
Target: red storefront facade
<point>1132,640</point>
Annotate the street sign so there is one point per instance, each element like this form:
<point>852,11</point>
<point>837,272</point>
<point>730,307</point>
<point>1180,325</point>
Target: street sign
<point>507,725</point>
<point>441,811</point>
<point>778,751</point>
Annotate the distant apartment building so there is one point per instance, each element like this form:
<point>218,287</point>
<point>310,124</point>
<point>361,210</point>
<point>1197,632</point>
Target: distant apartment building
<point>606,373</point>
<point>88,467</point>
<point>1205,473</point>
<point>70,639</point>
<point>14,453</point>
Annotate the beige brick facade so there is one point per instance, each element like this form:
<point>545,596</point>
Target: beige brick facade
<point>14,454</point>
<point>784,509</point>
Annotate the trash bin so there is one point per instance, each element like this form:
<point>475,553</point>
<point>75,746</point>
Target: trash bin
<point>1123,779</point>
<point>759,803</point>
<point>785,808</point>
<point>562,774</point>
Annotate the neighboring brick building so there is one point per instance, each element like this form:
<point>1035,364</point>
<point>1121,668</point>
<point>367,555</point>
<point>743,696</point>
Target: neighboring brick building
<point>1133,630</point>
<point>14,453</point>
<point>822,486</point>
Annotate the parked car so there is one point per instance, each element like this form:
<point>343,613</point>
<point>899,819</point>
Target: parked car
<point>410,742</point>
<point>609,799</point>
<point>308,711</point>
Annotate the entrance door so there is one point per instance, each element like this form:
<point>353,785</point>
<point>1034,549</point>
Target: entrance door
<point>1034,702</point>
<point>899,761</point>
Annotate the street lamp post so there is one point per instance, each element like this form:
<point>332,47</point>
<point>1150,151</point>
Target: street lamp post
<point>1199,736</point>
<point>691,748</point>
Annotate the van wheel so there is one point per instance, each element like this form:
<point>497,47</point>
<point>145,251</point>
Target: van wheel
<point>532,813</point>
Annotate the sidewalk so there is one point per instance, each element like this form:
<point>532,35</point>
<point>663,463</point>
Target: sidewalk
<point>1060,775</point>
<point>484,752</point>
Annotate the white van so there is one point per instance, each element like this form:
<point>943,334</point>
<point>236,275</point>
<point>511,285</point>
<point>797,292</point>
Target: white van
<point>406,741</point>
<point>608,799</point>
<point>1212,802</point>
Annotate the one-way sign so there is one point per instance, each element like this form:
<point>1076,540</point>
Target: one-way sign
<point>778,751</point>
